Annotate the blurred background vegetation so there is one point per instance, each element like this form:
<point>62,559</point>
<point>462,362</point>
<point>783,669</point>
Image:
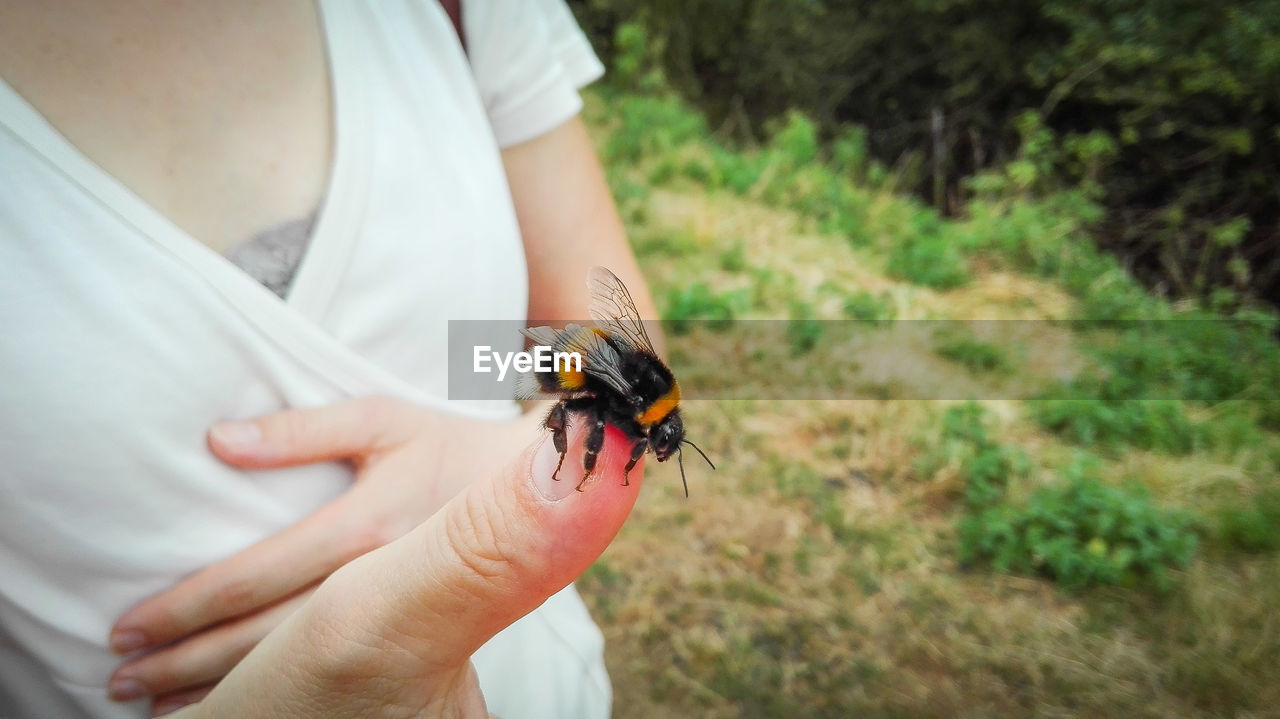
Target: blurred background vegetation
<point>1167,111</point>
<point>1094,170</point>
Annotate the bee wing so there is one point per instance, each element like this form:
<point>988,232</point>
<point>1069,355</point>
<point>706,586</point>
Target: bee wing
<point>599,359</point>
<point>614,311</point>
<point>528,387</point>
<point>545,336</point>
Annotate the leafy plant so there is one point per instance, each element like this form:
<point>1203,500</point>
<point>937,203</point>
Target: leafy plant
<point>984,465</point>
<point>649,125</point>
<point>736,171</point>
<point>928,260</point>
<point>734,259</point>
<point>637,59</point>
<point>1254,527</point>
<point>699,302</point>
<point>796,140</point>
<point>1082,532</point>
<point>872,309</point>
<point>1113,424</point>
<point>973,354</point>
<point>803,330</point>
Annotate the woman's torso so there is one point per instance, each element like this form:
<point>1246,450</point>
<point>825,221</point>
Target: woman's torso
<point>127,333</point>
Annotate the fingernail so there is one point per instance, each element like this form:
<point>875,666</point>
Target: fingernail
<point>544,464</point>
<point>129,640</point>
<point>236,434</point>
<point>125,690</point>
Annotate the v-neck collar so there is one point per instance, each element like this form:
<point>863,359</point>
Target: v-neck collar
<point>293,325</point>
<point>338,217</point>
<point>336,227</point>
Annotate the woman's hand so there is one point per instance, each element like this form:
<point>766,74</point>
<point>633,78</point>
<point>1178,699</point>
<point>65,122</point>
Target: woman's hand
<point>408,463</point>
<point>391,633</point>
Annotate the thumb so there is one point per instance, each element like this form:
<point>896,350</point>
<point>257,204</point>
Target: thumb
<point>352,429</point>
<point>497,550</point>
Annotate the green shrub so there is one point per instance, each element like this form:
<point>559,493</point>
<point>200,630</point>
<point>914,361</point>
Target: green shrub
<point>930,261</point>
<point>795,142</point>
<point>1113,424</point>
<point>737,172</point>
<point>803,330</point>
<point>1232,428</point>
<point>1254,527</point>
<point>849,151</point>
<point>923,252</point>
<point>1082,532</point>
<point>985,465</point>
<point>872,309</point>
<point>664,171</point>
<point>734,259</point>
<point>1152,370</point>
<point>630,196</point>
<point>1199,355</point>
<point>652,125</point>
<point>699,302</point>
<point>699,170</point>
<point>974,355</point>
<point>637,60</point>
<point>844,212</point>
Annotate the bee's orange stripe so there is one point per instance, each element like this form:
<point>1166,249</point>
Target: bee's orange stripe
<point>661,407</point>
<point>571,379</point>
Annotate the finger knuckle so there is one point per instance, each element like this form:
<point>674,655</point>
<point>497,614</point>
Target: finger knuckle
<point>487,548</point>
<point>366,536</point>
<point>233,597</point>
<point>391,421</point>
<point>288,427</point>
<point>476,535</point>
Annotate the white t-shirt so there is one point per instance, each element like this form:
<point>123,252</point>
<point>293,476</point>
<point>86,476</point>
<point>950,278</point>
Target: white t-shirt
<point>123,339</point>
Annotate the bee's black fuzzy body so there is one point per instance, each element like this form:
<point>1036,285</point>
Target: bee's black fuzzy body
<point>621,381</point>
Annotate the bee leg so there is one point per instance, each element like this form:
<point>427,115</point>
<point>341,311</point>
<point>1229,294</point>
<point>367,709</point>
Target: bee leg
<point>557,421</point>
<point>595,442</point>
<point>637,451</point>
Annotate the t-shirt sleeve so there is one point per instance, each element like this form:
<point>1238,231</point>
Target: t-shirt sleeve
<point>529,58</point>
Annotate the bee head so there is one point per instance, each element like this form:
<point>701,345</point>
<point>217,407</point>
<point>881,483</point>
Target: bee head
<point>665,437</point>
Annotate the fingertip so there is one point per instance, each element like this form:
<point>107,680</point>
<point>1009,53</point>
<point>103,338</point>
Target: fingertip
<point>557,479</point>
<point>578,525</point>
<point>237,443</point>
<point>235,435</point>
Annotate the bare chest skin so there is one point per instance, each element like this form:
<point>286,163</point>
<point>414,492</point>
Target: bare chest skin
<point>217,114</point>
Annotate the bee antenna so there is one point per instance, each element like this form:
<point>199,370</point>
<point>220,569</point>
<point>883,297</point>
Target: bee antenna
<point>704,454</point>
<point>680,461</point>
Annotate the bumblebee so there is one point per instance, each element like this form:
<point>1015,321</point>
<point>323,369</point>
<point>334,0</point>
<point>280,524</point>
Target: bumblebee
<point>620,381</point>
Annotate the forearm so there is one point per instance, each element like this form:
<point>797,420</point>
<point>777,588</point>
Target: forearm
<point>569,224</point>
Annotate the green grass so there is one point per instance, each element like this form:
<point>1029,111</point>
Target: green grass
<point>1114,425</point>
<point>974,355</point>
<point>698,302</point>
<point>1252,527</point>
